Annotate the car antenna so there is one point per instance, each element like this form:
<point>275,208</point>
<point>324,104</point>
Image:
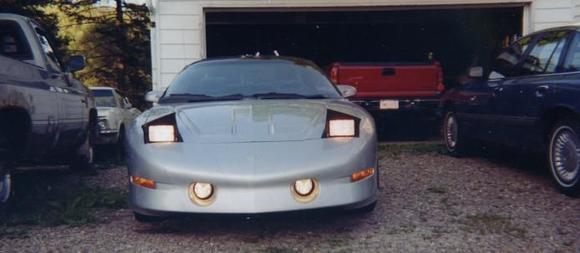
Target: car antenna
<point>276,53</point>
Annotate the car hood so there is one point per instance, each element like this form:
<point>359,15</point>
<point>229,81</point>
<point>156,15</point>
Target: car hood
<point>251,121</point>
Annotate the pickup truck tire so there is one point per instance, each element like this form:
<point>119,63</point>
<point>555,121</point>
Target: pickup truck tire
<point>453,135</point>
<point>83,159</point>
<point>564,156</point>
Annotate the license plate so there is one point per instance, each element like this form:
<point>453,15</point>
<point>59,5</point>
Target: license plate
<point>389,104</point>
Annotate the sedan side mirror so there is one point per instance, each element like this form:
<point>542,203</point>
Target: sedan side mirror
<point>153,96</point>
<point>346,90</point>
<point>476,72</point>
<point>76,63</point>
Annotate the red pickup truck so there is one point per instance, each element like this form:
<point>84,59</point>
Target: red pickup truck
<point>392,86</point>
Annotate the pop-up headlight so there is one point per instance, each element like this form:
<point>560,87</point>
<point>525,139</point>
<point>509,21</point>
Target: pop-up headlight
<point>341,125</point>
<point>162,130</point>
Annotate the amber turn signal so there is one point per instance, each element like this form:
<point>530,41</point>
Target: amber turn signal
<point>144,182</point>
<point>360,175</point>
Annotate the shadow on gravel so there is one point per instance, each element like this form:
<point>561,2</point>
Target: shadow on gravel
<point>260,226</point>
<point>511,158</point>
<point>407,127</point>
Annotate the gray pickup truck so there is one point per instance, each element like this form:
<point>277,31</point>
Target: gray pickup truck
<point>46,116</point>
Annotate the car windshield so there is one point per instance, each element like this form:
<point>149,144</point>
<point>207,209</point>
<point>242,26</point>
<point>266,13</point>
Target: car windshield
<point>237,79</point>
<point>104,98</point>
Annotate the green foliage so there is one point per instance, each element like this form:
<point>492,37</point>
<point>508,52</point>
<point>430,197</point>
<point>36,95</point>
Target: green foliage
<point>115,42</point>
<point>33,9</point>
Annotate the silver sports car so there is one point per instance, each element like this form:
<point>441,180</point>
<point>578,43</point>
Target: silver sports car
<point>251,135</point>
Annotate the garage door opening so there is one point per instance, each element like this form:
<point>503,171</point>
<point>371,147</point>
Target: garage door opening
<point>457,38</point>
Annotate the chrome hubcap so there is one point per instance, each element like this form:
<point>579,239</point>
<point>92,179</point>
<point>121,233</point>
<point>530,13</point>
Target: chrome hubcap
<point>451,131</point>
<point>565,154</point>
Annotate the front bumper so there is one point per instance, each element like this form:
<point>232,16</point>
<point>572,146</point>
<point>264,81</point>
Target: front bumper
<point>251,178</point>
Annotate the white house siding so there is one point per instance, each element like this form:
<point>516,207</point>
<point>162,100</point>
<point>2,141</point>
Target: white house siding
<point>178,37</point>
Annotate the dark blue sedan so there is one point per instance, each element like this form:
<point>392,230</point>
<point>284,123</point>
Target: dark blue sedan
<point>531,98</point>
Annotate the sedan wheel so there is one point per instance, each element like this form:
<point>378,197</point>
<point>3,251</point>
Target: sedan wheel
<point>452,135</point>
<point>564,157</point>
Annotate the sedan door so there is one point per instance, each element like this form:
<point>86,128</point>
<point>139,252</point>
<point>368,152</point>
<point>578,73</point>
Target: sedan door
<point>518,105</point>
<point>500,97</point>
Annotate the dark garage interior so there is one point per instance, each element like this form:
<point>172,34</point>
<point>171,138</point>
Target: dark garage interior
<point>456,37</point>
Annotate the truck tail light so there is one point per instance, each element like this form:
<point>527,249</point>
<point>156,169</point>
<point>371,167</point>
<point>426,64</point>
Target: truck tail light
<point>440,83</point>
<point>334,74</point>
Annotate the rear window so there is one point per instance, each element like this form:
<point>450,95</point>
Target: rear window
<point>104,98</point>
<point>13,43</point>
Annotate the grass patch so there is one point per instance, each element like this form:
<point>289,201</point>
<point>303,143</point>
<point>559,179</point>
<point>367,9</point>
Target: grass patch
<point>395,150</point>
<point>492,224</point>
<point>49,200</point>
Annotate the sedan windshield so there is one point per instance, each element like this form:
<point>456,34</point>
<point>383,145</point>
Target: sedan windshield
<point>104,98</point>
<point>238,79</point>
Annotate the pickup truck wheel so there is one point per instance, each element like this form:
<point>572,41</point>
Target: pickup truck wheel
<point>453,135</point>
<point>83,160</point>
<point>564,156</point>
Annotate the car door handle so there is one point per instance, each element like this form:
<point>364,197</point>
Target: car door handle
<point>542,90</point>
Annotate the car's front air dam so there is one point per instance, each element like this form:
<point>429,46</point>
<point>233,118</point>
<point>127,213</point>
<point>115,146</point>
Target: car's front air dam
<point>252,177</point>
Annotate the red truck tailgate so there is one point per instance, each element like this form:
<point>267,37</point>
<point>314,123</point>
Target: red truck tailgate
<point>375,80</point>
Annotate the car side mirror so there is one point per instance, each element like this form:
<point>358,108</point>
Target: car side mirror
<point>153,96</point>
<point>346,90</point>
<point>476,72</point>
<point>76,63</point>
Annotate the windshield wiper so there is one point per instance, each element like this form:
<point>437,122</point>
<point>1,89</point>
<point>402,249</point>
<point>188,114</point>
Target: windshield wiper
<point>276,95</point>
<point>192,98</point>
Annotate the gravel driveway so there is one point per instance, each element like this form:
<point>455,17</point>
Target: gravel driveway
<point>429,202</point>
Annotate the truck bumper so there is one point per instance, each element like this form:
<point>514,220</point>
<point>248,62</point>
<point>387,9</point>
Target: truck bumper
<point>419,106</point>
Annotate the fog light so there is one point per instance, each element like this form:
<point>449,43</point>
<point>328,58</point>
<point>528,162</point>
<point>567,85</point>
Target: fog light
<point>203,191</point>
<point>144,182</point>
<point>360,175</point>
<point>304,187</point>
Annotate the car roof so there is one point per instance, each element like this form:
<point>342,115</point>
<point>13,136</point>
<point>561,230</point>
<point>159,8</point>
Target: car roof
<point>560,28</point>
